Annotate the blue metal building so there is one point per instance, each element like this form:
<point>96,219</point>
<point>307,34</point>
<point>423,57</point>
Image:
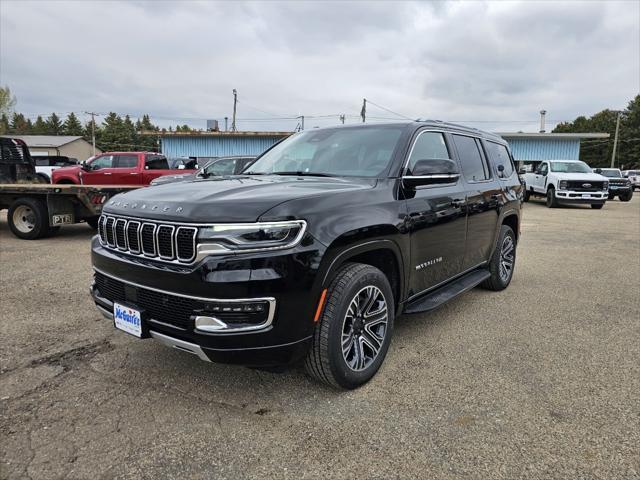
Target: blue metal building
<point>218,144</point>
<point>525,146</point>
<point>531,147</point>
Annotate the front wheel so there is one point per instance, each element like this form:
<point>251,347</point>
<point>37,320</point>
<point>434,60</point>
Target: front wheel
<point>597,206</point>
<point>526,196</point>
<point>503,261</point>
<point>353,333</point>
<point>626,197</point>
<point>552,202</point>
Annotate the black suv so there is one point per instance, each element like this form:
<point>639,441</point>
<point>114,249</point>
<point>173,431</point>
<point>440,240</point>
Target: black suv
<point>314,250</point>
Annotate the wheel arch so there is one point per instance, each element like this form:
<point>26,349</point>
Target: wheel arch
<point>384,254</point>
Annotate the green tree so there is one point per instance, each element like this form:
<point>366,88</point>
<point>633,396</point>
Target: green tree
<point>4,124</point>
<point>7,101</point>
<point>19,125</point>
<point>39,127</point>
<point>597,152</point>
<point>54,125</point>
<point>72,125</point>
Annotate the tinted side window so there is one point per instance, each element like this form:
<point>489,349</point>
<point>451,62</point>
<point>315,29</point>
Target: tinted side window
<point>223,167</point>
<point>156,162</point>
<point>500,156</point>
<point>106,161</point>
<point>428,146</point>
<point>474,167</point>
<point>41,162</point>
<point>126,161</point>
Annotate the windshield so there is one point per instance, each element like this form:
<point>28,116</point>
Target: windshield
<point>360,152</point>
<point>570,167</point>
<point>607,172</point>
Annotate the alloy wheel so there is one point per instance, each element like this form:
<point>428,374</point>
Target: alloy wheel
<point>507,258</point>
<point>364,328</point>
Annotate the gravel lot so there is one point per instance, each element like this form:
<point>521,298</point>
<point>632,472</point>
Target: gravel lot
<point>539,381</point>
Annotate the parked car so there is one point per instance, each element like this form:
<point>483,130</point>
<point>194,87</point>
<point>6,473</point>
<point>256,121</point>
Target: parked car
<point>46,164</point>
<point>314,250</point>
<point>618,185</point>
<point>116,168</point>
<point>566,181</point>
<point>183,163</point>
<point>219,166</point>
<point>633,176</point>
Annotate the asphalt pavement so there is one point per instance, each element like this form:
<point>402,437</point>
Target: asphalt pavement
<point>541,380</point>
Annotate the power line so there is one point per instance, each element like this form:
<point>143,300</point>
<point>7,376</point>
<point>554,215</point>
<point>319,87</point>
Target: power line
<point>390,111</point>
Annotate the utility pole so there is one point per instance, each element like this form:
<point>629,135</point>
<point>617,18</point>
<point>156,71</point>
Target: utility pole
<point>93,130</point>
<point>235,102</point>
<point>342,118</point>
<point>226,124</point>
<point>363,112</point>
<point>615,140</point>
<point>301,117</point>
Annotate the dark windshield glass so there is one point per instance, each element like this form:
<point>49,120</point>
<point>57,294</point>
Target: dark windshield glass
<point>570,167</point>
<point>361,152</point>
<point>611,173</point>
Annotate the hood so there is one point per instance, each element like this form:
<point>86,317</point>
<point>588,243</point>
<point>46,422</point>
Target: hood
<point>581,177</point>
<point>172,178</point>
<point>227,199</point>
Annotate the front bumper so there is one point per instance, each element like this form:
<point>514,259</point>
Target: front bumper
<point>283,280</point>
<point>620,189</point>
<point>571,196</point>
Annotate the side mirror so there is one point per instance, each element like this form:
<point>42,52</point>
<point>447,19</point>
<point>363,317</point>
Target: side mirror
<point>432,172</point>
<point>85,166</point>
<point>598,171</point>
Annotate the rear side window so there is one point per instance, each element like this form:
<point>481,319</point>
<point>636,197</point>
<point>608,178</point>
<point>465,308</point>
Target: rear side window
<point>42,162</point>
<point>126,161</point>
<point>500,156</point>
<point>156,162</point>
<point>428,146</point>
<point>474,167</point>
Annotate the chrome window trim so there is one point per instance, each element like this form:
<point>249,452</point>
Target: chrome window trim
<point>153,235</point>
<point>405,166</point>
<point>138,228</point>
<point>271,301</point>
<point>171,242</point>
<point>115,230</point>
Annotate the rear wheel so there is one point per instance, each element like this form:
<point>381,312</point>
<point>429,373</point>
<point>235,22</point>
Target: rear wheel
<point>552,202</point>
<point>352,336</point>
<point>28,219</point>
<point>503,261</point>
<point>92,222</point>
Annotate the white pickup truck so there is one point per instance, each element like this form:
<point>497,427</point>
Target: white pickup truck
<point>566,181</point>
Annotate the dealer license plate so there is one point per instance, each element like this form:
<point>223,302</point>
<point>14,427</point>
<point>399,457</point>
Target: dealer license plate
<point>586,195</point>
<point>127,319</point>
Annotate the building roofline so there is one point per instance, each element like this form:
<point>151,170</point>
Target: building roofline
<point>551,135</point>
<point>199,133</point>
<point>26,138</point>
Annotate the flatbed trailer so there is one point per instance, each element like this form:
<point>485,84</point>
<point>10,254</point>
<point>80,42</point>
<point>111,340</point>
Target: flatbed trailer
<point>38,210</point>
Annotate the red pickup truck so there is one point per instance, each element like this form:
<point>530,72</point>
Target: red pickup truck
<point>116,168</point>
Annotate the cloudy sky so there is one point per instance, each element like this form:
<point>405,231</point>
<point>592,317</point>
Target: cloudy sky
<point>492,65</point>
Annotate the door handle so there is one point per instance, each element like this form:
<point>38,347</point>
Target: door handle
<point>133,173</point>
<point>106,173</point>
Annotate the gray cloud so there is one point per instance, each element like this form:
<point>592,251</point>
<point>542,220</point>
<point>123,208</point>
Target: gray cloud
<point>179,61</point>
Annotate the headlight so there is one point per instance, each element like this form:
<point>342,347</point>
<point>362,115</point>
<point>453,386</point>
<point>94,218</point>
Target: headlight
<point>562,185</point>
<point>252,236</point>
<point>605,186</point>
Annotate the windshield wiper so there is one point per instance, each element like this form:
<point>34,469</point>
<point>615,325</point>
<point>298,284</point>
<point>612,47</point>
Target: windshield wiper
<point>300,173</point>
<point>253,173</point>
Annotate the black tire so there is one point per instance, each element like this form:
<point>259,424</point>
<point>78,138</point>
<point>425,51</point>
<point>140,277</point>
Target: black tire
<point>597,206</point>
<point>51,231</point>
<point>498,281</point>
<point>326,361</point>
<point>612,197</point>
<point>92,222</point>
<point>552,202</point>
<point>28,219</point>
<point>44,178</point>
<point>527,195</point>
<point>626,197</point>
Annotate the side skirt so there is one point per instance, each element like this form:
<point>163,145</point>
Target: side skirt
<point>442,295</point>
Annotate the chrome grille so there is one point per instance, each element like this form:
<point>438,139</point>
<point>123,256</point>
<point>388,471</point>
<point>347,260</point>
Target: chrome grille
<point>149,239</point>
